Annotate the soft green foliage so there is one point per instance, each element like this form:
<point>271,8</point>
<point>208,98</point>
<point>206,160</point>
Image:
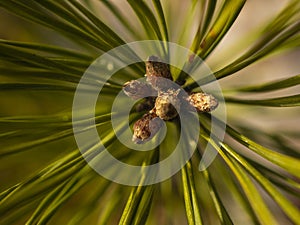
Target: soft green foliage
<point>45,179</point>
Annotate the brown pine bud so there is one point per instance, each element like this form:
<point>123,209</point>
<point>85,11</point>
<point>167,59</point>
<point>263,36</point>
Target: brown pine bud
<point>166,104</point>
<point>156,69</point>
<point>145,128</point>
<point>203,102</point>
<point>136,89</point>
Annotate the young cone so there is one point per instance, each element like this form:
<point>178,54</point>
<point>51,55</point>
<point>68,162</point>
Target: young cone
<point>137,90</point>
<point>203,102</point>
<point>157,72</point>
<point>145,128</point>
<point>167,104</point>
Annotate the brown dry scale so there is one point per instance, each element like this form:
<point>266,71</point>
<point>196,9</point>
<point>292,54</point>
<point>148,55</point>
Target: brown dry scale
<point>167,103</point>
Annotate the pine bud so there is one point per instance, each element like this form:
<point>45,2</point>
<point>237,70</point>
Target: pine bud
<point>155,71</point>
<point>136,89</point>
<point>203,102</point>
<point>145,128</point>
<point>166,104</point>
